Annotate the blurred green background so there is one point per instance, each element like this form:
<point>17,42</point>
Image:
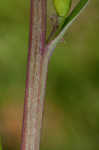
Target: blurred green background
<point>71,120</point>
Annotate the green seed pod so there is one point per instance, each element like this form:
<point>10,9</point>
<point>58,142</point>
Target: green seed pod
<point>62,7</point>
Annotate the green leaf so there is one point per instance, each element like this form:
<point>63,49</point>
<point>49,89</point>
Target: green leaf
<point>74,13</point>
<point>67,22</point>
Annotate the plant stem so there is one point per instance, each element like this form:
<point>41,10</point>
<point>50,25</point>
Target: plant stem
<point>36,78</point>
<point>38,57</point>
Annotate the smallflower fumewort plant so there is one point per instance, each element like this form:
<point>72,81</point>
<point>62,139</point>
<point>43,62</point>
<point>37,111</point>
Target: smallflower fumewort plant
<point>39,53</point>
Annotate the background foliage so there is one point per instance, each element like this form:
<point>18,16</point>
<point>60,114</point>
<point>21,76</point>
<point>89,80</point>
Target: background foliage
<point>71,118</point>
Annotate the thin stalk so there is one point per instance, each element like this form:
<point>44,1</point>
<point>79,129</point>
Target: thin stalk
<point>36,78</point>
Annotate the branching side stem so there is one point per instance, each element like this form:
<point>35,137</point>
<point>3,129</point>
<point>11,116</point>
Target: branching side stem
<point>38,57</point>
